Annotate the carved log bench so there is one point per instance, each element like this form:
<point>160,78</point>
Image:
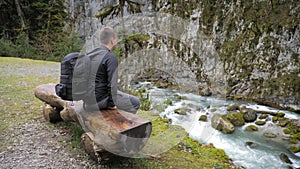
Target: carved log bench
<point>109,133</point>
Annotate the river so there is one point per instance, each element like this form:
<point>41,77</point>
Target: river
<point>264,155</point>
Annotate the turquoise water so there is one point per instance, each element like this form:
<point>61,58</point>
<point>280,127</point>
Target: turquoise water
<point>265,155</point>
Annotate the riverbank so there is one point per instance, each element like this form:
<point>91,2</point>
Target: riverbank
<point>28,141</point>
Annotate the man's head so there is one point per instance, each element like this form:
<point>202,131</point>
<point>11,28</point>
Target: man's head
<point>108,38</point>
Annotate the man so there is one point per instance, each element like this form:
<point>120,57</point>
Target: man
<point>106,93</point>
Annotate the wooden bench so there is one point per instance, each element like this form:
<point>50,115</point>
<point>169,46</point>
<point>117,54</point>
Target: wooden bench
<point>109,133</point>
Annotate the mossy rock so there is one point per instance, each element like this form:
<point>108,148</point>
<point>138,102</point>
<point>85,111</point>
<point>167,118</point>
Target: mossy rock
<point>263,116</point>
<point>270,135</point>
<point>236,118</point>
<point>296,136</point>
<point>280,114</point>
<point>180,97</point>
<point>282,121</point>
<point>293,140</point>
<point>249,115</point>
<point>233,107</point>
<point>285,158</point>
<point>251,128</point>
<point>213,110</point>
<point>274,119</point>
<point>260,122</point>
<point>205,92</point>
<point>251,144</point>
<point>221,123</point>
<point>203,118</point>
<point>182,111</point>
<point>286,131</point>
<point>295,149</point>
<point>168,102</point>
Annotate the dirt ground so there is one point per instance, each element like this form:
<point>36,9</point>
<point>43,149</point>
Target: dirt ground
<point>26,139</point>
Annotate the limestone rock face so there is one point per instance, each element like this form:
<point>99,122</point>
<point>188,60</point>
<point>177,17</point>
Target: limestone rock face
<point>229,48</point>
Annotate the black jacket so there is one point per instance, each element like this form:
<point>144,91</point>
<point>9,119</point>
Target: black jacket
<point>106,80</point>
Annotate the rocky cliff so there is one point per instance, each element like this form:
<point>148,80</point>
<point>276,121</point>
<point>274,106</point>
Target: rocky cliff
<point>237,49</point>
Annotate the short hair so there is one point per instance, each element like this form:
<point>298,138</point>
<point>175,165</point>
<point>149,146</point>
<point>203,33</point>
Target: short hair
<point>106,34</point>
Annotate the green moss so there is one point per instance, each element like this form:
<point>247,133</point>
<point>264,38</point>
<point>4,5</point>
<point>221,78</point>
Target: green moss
<point>180,96</point>
<point>233,107</point>
<point>296,136</point>
<point>203,118</point>
<point>105,12</point>
<point>236,118</point>
<point>283,121</point>
<point>263,116</point>
<point>280,114</point>
<point>168,102</point>
<point>251,128</point>
<point>182,111</point>
<point>293,140</point>
<point>274,119</point>
<point>260,123</point>
<point>286,131</point>
<point>295,149</point>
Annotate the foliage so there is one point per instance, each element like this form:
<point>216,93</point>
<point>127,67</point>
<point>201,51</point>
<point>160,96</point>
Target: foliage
<point>117,9</point>
<point>43,36</point>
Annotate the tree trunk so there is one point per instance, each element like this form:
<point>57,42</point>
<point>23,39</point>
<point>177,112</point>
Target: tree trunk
<point>20,14</point>
<point>115,131</point>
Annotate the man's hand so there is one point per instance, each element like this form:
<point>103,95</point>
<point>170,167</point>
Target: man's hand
<point>112,108</point>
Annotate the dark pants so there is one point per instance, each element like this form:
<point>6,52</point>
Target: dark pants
<point>126,102</point>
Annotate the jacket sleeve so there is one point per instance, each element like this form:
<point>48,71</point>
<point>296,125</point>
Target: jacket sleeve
<point>112,78</point>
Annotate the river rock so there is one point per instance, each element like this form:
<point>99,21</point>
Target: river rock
<point>206,91</point>
<point>280,114</point>
<point>233,107</point>
<point>249,115</point>
<point>221,123</point>
<point>295,149</point>
<point>263,116</point>
<point>182,111</point>
<point>274,119</point>
<point>251,128</point>
<point>285,158</point>
<point>251,144</point>
<point>287,131</point>
<point>282,121</point>
<point>203,118</point>
<point>260,123</point>
<point>236,118</point>
<point>270,135</point>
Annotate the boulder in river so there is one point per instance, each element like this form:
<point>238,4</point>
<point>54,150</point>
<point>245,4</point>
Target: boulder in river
<point>235,118</point>
<point>263,116</point>
<point>282,121</point>
<point>221,123</point>
<point>280,114</point>
<point>295,149</point>
<point>249,115</point>
<point>251,128</point>
<point>285,158</point>
<point>233,107</point>
<point>270,135</point>
<point>203,118</point>
<point>182,111</point>
<point>260,122</point>
<point>251,144</point>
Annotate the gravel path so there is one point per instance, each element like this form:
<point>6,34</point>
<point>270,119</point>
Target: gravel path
<point>31,142</point>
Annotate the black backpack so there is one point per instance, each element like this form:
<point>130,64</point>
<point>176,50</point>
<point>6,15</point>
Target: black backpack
<point>64,88</point>
<point>75,79</point>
